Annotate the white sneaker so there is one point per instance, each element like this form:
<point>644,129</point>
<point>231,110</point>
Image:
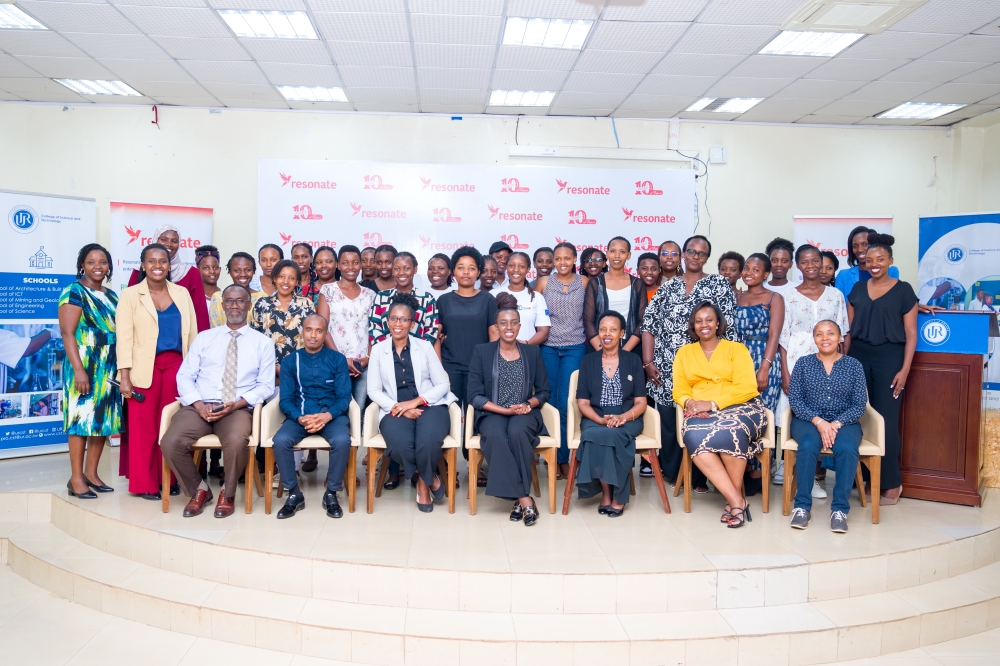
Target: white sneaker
<point>818,492</point>
<point>779,473</point>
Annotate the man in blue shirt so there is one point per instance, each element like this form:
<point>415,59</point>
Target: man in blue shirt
<point>315,395</point>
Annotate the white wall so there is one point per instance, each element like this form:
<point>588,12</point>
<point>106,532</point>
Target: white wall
<point>773,172</point>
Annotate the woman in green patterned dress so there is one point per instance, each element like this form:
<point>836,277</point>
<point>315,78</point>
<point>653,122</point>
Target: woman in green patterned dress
<point>92,408</point>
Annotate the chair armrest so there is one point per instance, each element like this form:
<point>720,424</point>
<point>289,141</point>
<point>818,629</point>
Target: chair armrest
<point>651,424</point>
<point>371,423</point>
<point>166,415</point>
<point>255,429</point>
<point>769,432</point>
<point>271,419</point>
<point>872,425</point>
<point>470,416</point>
<point>786,426</point>
<point>680,425</point>
<point>354,416</point>
<point>455,414</point>
<point>550,417</point>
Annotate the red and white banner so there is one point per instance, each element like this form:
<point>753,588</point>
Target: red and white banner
<point>132,227</point>
<point>431,208</point>
<point>829,232</point>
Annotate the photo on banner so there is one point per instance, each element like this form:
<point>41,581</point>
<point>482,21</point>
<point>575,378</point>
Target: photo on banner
<point>42,237</point>
<point>830,232</point>
<point>133,226</point>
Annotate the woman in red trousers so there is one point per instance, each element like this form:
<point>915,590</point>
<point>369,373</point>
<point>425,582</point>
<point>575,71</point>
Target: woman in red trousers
<point>182,274</point>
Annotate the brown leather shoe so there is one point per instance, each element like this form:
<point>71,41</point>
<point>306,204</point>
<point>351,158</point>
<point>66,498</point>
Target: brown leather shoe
<point>225,507</point>
<point>197,503</point>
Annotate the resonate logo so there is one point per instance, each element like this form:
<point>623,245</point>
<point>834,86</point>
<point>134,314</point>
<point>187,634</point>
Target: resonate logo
<point>564,186</point>
<point>644,244</point>
<point>838,251</point>
<point>307,184</point>
<point>374,239</point>
<point>133,234</point>
<point>374,182</point>
<point>645,188</point>
<point>582,246</point>
<point>287,238</point>
<point>580,217</point>
<point>512,217</point>
<point>359,209</point>
<point>512,185</point>
<point>446,187</point>
<point>444,215</point>
<point>428,243</point>
<point>514,242</point>
<point>305,212</point>
<point>648,219</point>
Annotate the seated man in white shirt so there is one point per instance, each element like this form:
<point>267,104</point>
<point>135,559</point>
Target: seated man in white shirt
<point>227,371</point>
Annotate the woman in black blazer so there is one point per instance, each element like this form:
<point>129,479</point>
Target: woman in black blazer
<point>611,395</point>
<point>507,388</point>
<point>616,291</point>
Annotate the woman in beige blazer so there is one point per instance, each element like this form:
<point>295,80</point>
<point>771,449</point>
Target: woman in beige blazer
<point>156,324</point>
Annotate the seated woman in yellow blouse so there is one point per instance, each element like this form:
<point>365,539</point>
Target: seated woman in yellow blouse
<point>716,386</point>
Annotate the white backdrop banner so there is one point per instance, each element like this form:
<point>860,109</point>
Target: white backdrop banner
<point>829,232</point>
<point>431,208</point>
<point>132,227</point>
<point>41,239</point>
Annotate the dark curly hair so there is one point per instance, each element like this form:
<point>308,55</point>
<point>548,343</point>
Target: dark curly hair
<point>408,301</point>
<point>762,258</point>
<point>648,256</point>
<point>698,237</point>
<point>719,331</point>
<point>505,302</point>
<point>241,255</point>
<point>82,257</point>
<point>305,245</point>
<point>615,315</point>
<point>272,246</point>
<point>735,256</point>
<point>283,264</point>
<point>472,253</point>
<point>804,248</point>
<point>407,255</point>
<point>204,251</point>
<point>884,241</point>
<point>780,243</point>
<point>142,259</point>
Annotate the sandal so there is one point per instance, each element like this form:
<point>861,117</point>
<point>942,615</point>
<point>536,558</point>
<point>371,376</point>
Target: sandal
<point>562,471</point>
<point>737,520</point>
<point>481,480</point>
<point>726,515</point>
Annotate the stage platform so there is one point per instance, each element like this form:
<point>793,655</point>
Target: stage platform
<point>403,587</point>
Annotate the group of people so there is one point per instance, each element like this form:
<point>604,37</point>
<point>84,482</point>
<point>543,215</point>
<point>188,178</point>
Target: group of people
<point>326,327</point>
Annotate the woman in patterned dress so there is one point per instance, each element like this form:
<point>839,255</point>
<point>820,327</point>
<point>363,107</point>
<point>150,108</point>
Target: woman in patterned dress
<point>92,408</point>
<point>665,329</point>
<point>280,315</point>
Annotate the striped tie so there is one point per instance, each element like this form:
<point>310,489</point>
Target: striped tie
<point>229,374</point>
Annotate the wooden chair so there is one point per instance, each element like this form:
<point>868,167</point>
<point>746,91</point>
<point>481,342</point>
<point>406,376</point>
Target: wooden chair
<point>871,451</point>
<point>251,476</point>
<point>376,447</point>
<point>548,447</point>
<point>766,451</point>
<point>647,444</point>
<point>272,418</point>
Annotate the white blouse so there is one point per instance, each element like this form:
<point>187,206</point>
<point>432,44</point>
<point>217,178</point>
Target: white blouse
<point>801,316</point>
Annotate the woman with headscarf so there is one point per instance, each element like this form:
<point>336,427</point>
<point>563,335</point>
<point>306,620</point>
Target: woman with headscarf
<point>182,273</point>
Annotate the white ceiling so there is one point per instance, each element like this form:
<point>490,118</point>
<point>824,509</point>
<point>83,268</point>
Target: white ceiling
<point>643,58</point>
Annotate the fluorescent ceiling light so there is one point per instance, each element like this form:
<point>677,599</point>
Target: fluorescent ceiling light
<point>276,25</point>
<point>739,104</point>
<point>99,87</point>
<point>921,110</point>
<point>312,94</point>
<point>550,33</point>
<point>12,18</point>
<point>823,44</point>
<point>701,104</point>
<point>521,98</point>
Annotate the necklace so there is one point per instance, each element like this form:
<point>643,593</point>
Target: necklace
<point>609,363</point>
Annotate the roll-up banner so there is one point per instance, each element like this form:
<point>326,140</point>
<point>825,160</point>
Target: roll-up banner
<point>42,236</point>
<point>431,208</point>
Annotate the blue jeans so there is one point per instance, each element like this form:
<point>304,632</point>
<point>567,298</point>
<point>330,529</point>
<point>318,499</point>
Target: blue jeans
<point>560,364</point>
<point>845,461</point>
<point>337,433</point>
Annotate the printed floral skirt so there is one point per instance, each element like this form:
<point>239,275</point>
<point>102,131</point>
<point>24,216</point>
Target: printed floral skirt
<point>733,431</point>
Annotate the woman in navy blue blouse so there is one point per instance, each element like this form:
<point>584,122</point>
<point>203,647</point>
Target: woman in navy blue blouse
<point>828,396</point>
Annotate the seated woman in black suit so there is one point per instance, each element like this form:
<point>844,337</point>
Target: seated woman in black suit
<point>507,388</point>
<point>611,395</point>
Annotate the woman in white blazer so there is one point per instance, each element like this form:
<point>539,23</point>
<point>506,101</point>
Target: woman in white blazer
<point>409,384</point>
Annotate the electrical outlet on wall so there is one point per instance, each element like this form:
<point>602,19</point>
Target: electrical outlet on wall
<point>717,155</point>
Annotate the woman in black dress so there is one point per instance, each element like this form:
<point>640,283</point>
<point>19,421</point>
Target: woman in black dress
<point>508,386</point>
<point>611,395</point>
<point>883,314</point>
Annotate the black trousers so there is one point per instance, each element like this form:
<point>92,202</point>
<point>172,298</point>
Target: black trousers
<point>508,444</point>
<point>881,363</point>
<point>671,453</point>
<point>417,442</point>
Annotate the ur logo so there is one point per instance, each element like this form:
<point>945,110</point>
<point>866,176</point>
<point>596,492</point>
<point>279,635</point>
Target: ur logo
<point>646,187</point>
<point>955,254</point>
<point>444,215</point>
<point>935,332</point>
<point>23,219</point>
<point>580,217</point>
<point>375,183</point>
<point>512,185</point>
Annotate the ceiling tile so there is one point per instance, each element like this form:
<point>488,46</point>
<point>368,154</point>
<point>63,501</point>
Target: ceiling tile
<point>783,110</point>
<point>725,39</point>
<point>247,103</point>
<point>363,6</point>
<point>528,57</point>
<point>949,16</point>
<point>708,115</point>
<point>902,122</point>
<point>67,68</point>
<point>372,54</point>
<point>377,77</point>
<point>286,5</point>
<point>204,101</point>
<point>815,119</point>
<point>320,106</point>
<point>733,86</point>
<point>147,70</point>
<point>300,51</point>
<point>678,86</point>
<point>586,100</point>
<point>63,16</point>
<point>991,28</point>
<point>225,72</point>
<point>668,104</point>
<point>653,10</point>
<point>462,79</point>
<point>389,107</point>
<point>517,110</point>
<point>284,74</point>
<point>145,3</point>
<point>693,64</point>
<point>890,91</point>
<point>117,100</point>
<point>773,66</point>
<point>117,46</point>
<point>926,70</point>
<point>200,48</point>
<point>444,97</point>
<point>989,74</point>
<point>570,9</point>
<point>443,29</point>
<point>65,96</point>
<point>517,79</point>
<point>363,27</point>
<point>844,107</point>
<point>10,97</point>
<point>169,88</point>
<point>37,42</point>
<point>750,12</point>
<point>819,89</point>
<point>960,93</point>
<point>366,96</point>
<point>663,112</point>
<point>21,85</point>
<point>601,83</point>
<point>624,36</point>
<point>578,112</point>
<point>973,111</point>
<point>452,109</point>
<point>896,45</point>
<point>177,21</point>
<point>462,7</point>
<point>11,67</point>
<point>626,62</point>
<point>854,69</point>
<point>242,91</point>
<point>455,55</point>
<point>970,48</point>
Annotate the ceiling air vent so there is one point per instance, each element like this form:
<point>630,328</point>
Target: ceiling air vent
<point>850,15</point>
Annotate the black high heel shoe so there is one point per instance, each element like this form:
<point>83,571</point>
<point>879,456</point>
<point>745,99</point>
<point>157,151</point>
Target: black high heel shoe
<point>100,489</point>
<point>738,519</point>
<point>90,494</point>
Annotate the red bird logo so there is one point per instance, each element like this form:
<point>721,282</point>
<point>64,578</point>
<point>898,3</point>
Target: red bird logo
<point>357,209</point>
<point>627,212</point>
<point>425,181</point>
<point>493,210</point>
<point>425,240</point>
<point>560,240</point>
<point>285,238</point>
<point>562,184</point>
<point>133,234</point>
<point>284,179</point>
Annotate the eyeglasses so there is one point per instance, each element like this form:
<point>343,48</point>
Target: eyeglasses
<point>595,260</point>
<point>670,253</point>
<point>234,302</point>
<point>399,320</point>
<point>695,253</point>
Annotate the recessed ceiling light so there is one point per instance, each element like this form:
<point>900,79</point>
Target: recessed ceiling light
<point>725,104</point>
<point>521,98</point>
<point>12,18</point>
<point>920,110</point>
<point>276,25</point>
<point>99,87</point>
<point>701,104</point>
<point>312,94</point>
<point>550,33</point>
<point>823,44</point>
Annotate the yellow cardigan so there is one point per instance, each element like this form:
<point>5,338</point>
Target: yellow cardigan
<point>728,379</point>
